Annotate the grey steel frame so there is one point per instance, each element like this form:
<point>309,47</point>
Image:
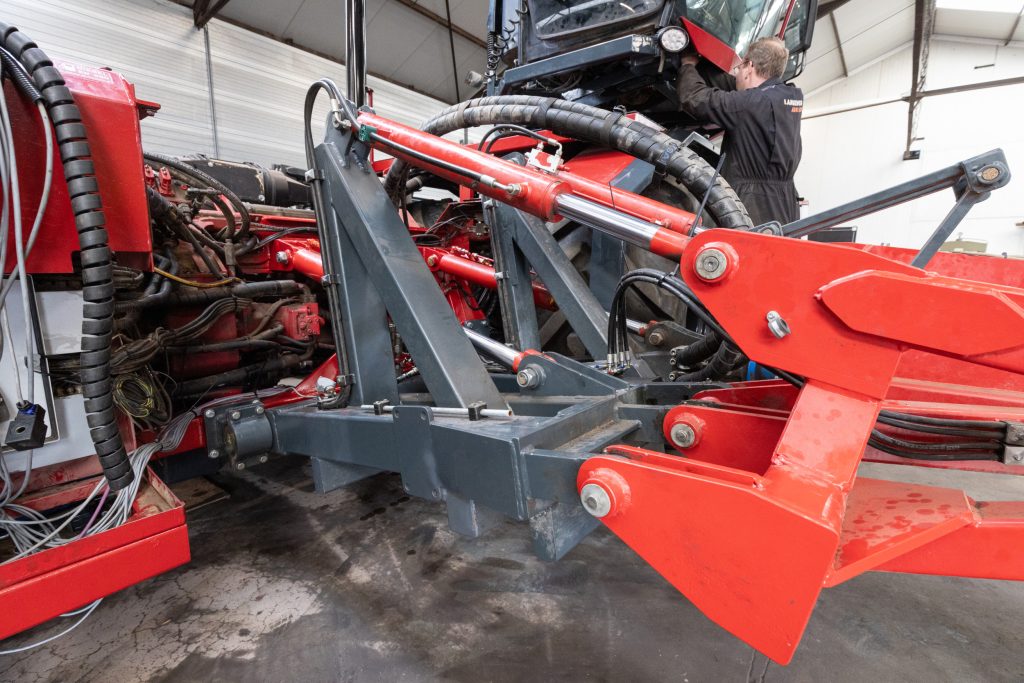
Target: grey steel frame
<point>523,467</point>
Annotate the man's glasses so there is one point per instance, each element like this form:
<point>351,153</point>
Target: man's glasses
<point>736,69</point>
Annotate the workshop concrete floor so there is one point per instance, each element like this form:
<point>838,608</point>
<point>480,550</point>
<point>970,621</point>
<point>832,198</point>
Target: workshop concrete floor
<point>365,584</point>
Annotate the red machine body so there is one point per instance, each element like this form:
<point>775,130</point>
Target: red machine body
<point>154,540</point>
<point>766,507</point>
<point>755,514</point>
<point>111,113</point>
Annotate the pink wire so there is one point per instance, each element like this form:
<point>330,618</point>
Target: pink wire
<point>95,512</point>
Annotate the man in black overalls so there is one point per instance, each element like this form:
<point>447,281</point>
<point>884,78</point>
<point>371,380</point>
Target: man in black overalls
<point>761,119</point>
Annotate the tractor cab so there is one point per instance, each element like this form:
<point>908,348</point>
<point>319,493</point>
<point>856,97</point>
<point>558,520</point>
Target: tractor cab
<point>611,53</point>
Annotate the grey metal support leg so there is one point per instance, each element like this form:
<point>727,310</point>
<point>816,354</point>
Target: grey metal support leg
<point>515,288</point>
<point>361,209</point>
<point>584,313</point>
<point>363,324</point>
<point>607,254</point>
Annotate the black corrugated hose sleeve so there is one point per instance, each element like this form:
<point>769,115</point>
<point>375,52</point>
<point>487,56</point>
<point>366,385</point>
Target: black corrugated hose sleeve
<point>97,279</point>
<point>687,356</point>
<point>19,75</point>
<point>726,359</point>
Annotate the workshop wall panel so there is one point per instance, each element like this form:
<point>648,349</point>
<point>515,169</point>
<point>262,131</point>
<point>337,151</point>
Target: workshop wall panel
<point>259,84</point>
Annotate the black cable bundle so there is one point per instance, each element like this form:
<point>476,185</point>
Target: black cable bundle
<point>970,439</point>
<point>97,276</point>
<point>617,330</point>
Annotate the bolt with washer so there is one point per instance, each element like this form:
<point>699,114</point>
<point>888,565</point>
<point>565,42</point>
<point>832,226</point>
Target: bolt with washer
<point>236,415</point>
<point>682,435</point>
<point>656,338</point>
<point>595,500</point>
<point>210,414</point>
<point>989,174</point>
<point>529,378</point>
<point>282,257</point>
<point>711,263</point>
<point>213,453</point>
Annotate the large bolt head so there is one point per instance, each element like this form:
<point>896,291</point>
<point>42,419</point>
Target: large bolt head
<point>711,263</point>
<point>210,414</point>
<point>529,378</point>
<point>657,338</point>
<point>777,325</point>
<point>595,500</point>
<point>281,257</point>
<point>682,435</point>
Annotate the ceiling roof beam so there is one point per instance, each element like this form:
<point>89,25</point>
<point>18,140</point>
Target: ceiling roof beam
<point>451,44</point>
<point>952,90</point>
<point>202,11</point>
<point>1016,23</point>
<point>839,45</point>
<point>924,16</point>
<point>441,21</point>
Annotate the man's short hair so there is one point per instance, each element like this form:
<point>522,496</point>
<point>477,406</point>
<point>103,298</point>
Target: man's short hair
<point>769,57</point>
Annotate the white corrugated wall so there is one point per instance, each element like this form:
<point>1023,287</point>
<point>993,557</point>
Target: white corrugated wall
<point>855,153</point>
<point>259,83</point>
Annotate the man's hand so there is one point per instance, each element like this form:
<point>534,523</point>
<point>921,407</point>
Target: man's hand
<point>691,58</point>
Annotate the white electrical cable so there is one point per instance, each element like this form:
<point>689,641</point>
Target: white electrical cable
<point>5,222</point>
<point>44,199</point>
<point>30,539</point>
<point>86,611</point>
<point>5,325</point>
<point>33,530</point>
<point>7,150</point>
<point>19,248</point>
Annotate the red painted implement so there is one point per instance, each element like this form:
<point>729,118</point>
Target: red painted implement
<point>766,508</point>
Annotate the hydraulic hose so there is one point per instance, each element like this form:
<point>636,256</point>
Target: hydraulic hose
<point>205,178</point>
<point>97,275</point>
<point>320,209</point>
<point>163,213</point>
<point>596,126</point>
<point>690,355</point>
<point>246,290</point>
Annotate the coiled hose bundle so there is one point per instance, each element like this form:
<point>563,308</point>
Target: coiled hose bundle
<point>97,275</point>
<point>596,126</point>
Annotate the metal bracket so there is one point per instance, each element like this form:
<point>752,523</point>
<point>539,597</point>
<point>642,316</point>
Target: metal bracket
<point>1014,434</point>
<point>239,432</point>
<point>1013,455</point>
<point>702,147</point>
<point>971,180</point>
